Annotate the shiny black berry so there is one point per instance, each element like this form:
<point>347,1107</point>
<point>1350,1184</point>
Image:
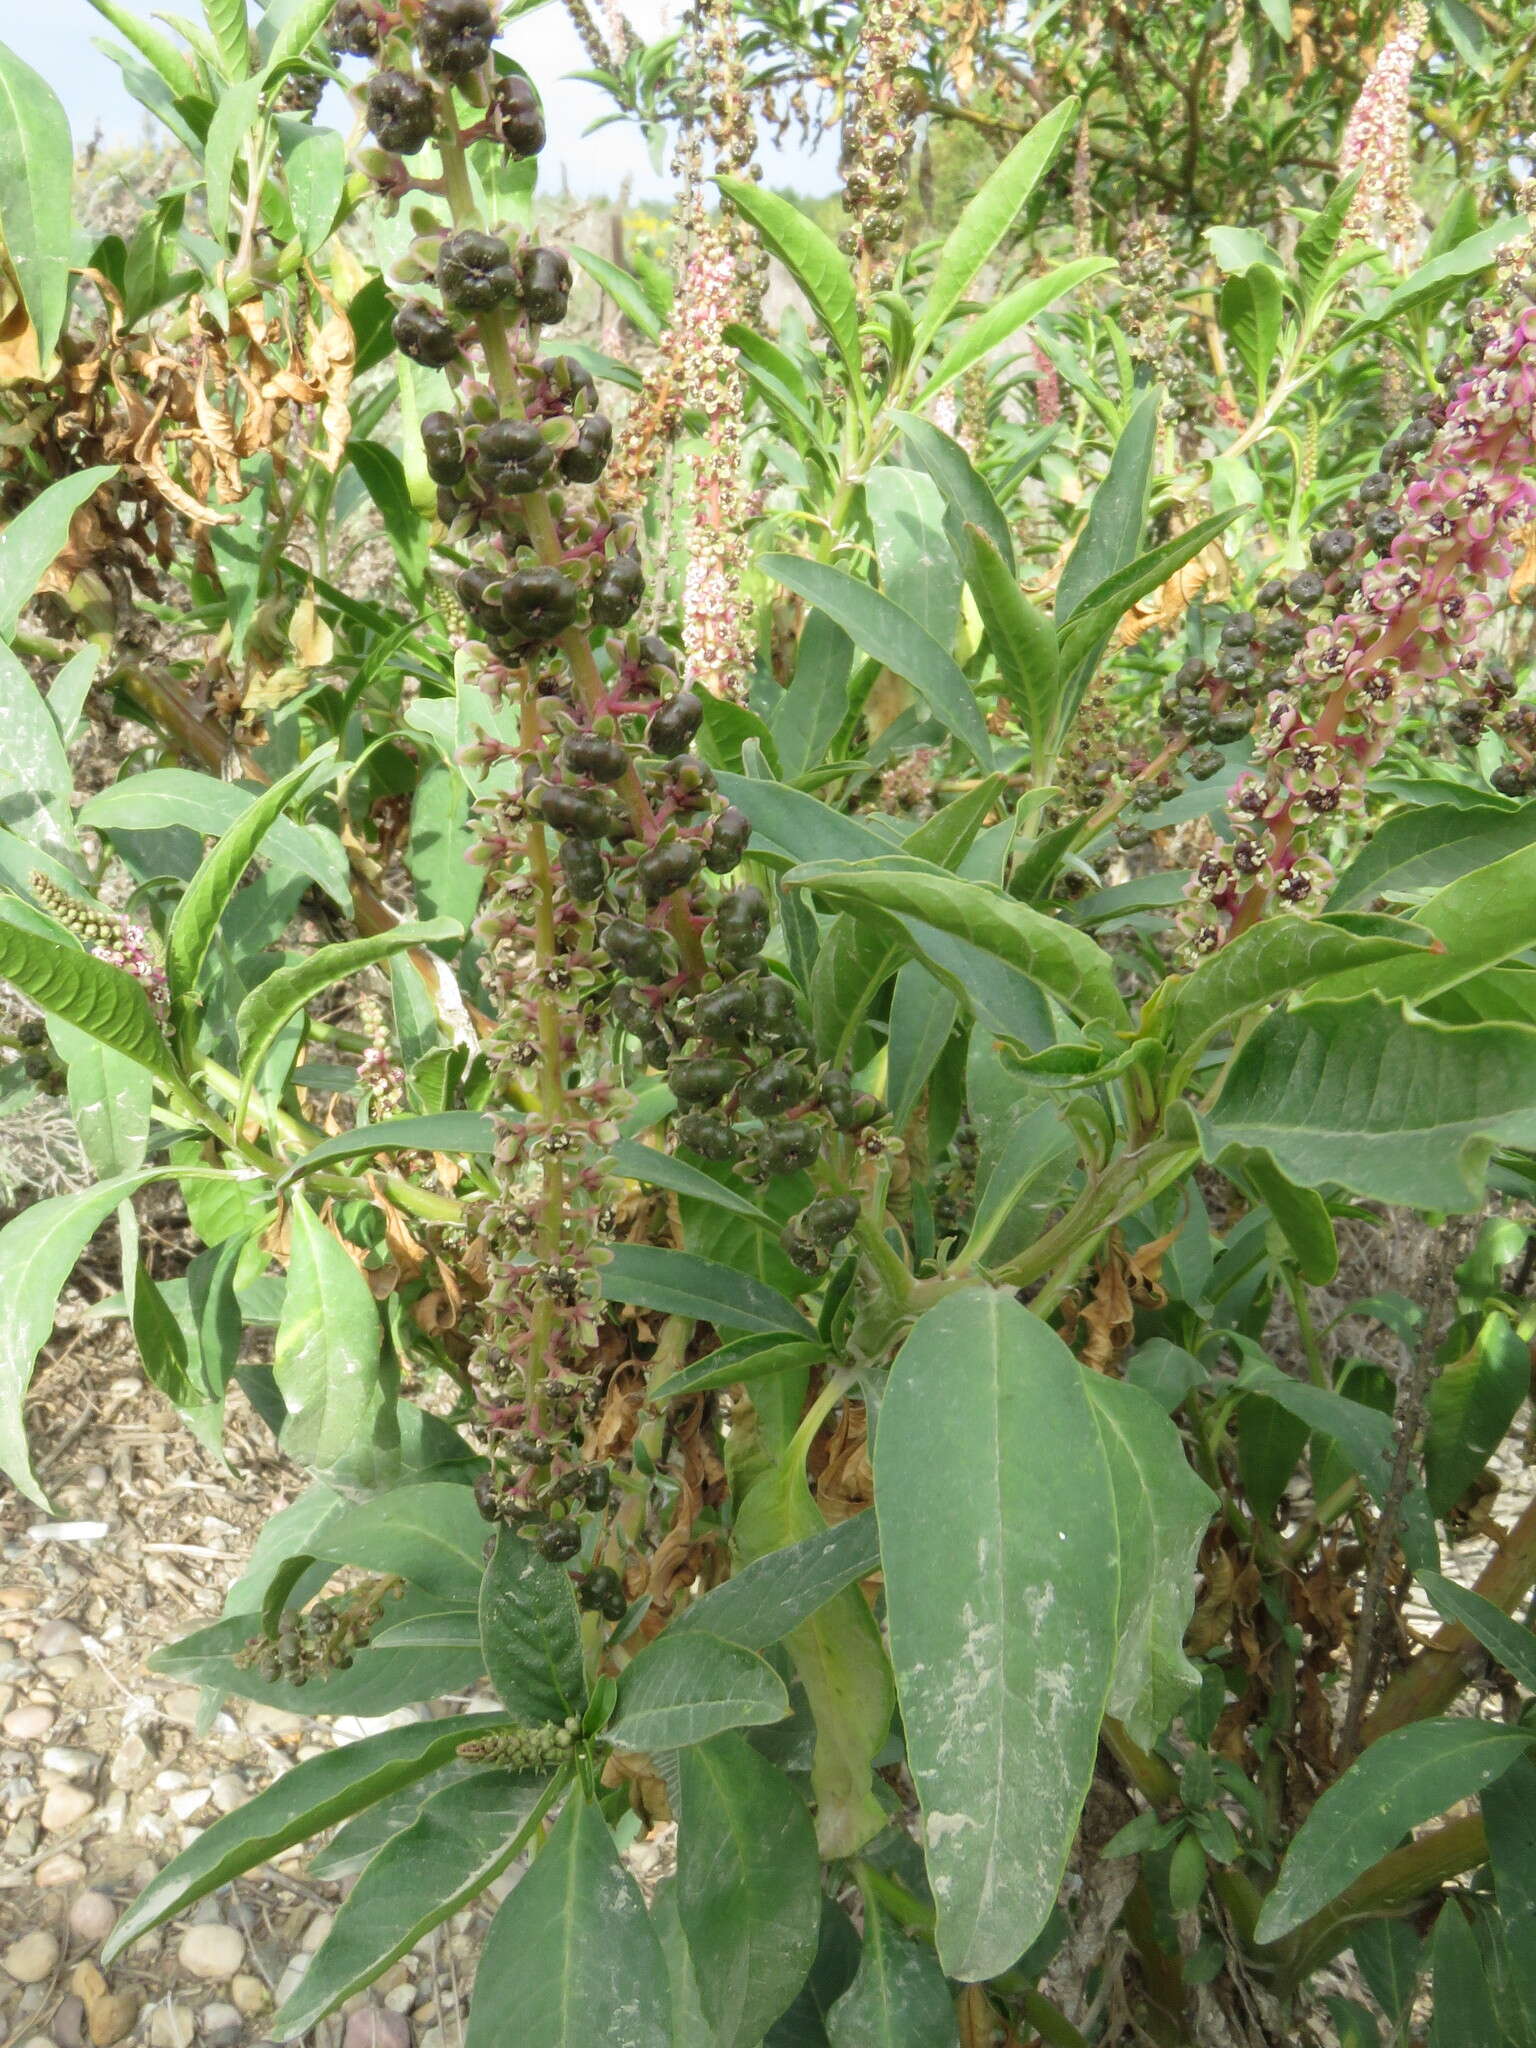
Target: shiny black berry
<point>741,924</point>
<point>561,1540</point>
<point>829,1221</point>
<point>789,1148</point>
<point>579,811</point>
<point>517,117</point>
<point>400,112</point>
<point>1331,550</point>
<point>779,1086</point>
<point>1382,526</point>
<point>617,592</point>
<point>728,838</point>
<point>546,285</point>
<point>443,446</point>
<point>423,334</point>
<point>729,1013</point>
<point>1305,590</point>
<point>475,272</point>
<point>356,28</point>
<point>596,1486</point>
<point>512,458</point>
<point>634,949</point>
<point>540,603</point>
<point>710,1136</point>
<point>595,754</point>
<point>702,1082</point>
<point>669,866</point>
<point>587,457</point>
<point>584,869</point>
<point>455,36</point>
<point>674,724</point>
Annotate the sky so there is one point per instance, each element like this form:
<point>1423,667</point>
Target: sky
<point>56,38</point>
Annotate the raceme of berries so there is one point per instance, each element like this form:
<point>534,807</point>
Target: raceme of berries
<point>1376,141</point>
<point>1390,608</point>
<point>323,1638</point>
<point>108,936</point>
<point>616,933</point>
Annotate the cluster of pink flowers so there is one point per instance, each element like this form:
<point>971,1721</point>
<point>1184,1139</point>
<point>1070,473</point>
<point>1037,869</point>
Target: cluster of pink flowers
<point>132,949</point>
<point>1376,138</point>
<point>1407,620</point>
<point>717,645</point>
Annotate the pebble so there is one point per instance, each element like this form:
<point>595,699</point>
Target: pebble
<point>92,1917</point>
<point>70,1763</point>
<point>171,2026</point>
<point>401,1998</point>
<point>316,1931</point>
<point>31,1959</point>
<point>130,1761</point>
<point>171,1781</point>
<point>62,1670</point>
<point>376,2028</point>
<point>61,1869</point>
<point>109,2014</point>
<point>260,1719</point>
<point>38,2041</point>
<point>214,2018</point>
<point>182,1704</point>
<point>292,1977</point>
<point>69,2022</point>
<point>249,1994</point>
<point>57,1639</point>
<point>185,1804</point>
<point>28,1724</point>
<point>212,1952</point>
<point>229,1791</point>
<point>64,1805</point>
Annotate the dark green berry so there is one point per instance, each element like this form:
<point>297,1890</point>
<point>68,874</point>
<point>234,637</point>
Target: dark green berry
<point>454,37</point>
<point>561,1540</point>
<point>423,334</point>
<point>829,1221</point>
<point>778,1086</point>
<point>475,272</point>
<point>617,592</point>
<point>400,112</point>
<point>728,1013</point>
<point>356,28</point>
<point>634,949</point>
<point>710,1136</point>
<point>667,867</point>
<point>595,754</point>
<point>674,724</point>
<point>540,603</point>
<point>581,811</point>
<point>702,1081</point>
<point>728,838</point>
<point>443,447</point>
<point>789,1148</point>
<point>512,458</point>
<point>546,285</point>
<point>741,924</point>
<point>778,1016</point>
<point>584,461</point>
<point>518,119</point>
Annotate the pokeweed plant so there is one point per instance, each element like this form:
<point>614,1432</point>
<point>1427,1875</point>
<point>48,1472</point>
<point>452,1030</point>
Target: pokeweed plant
<point>786,1323</point>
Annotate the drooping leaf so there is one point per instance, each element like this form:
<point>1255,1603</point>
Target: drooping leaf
<point>313,1796</point>
<point>530,1632</point>
<point>30,541</point>
<point>432,1535</point>
<point>686,1688</point>
<point>764,1600</point>
<point>37,164</point>
<point>1513,1644</point>
<point>1405,1779</point>
<point>678,1284</point>
<point>1000,322</point>
<point>572,1948</point>
<point>338,1395</point>
<point>1162,1511</point>
<point>748,1886</point>
<point>898,1999</point>
<point>1472,1402</point>
<point>101,1000</point>
<point>463,1837</point>
<point>1004,1658</point>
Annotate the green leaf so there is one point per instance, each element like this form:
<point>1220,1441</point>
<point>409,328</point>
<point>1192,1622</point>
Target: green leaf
<point>898,1999</point>
<point>572,1948</point>
<point>1003,1658</point>
<point>530,1632</point>
<point>1062,960</point>
<point>1117,514</point>
<point>39,1249</point>
<point>35,777</point>
<point>340,1421</point>
<point>1251,309</point>
<point>301,21</point>
<point>178,74</point>
<point>1429,846</point>
<point>1510,1643</point>
<point>206,897</point>
<point>1509,1815</point>
<point>1102,608</point>
<point>316,173</point>
<point>687,1688</point>
<point>1162,1512</point>
<point>760,1604</point>
<point>631,1160</point>
<point>96,998</point>
<point>1476,923</point>
<point>677,1284</point>
<point>748,1886</point>
<point>231,35</point>
<point>37,163</point>
<point>30,541</point>
<point>1020,639</point>
<point>1392,1107</point>
<point>168,1363</point>
<point>970,501</point>
<point>311,1797</point>
<point>918,570</point>
<point>807,716</point>
<point>623,289</point>
<point>447,1130</point>
<point>1472,1403</point>
<point>738,1364</point>
<point>895,639</point>
<point>811,258</point>
<point>233,118</point>
<point>272,1002</point>
<point>1464,2013</point>
<point>461,1840</point>
<point>109,1098</point>
<point>1300,1215</point>
<point>1000,322</point>
<point>432,1534</point>
<point>987,218</point>
<point>156,797</point>
<point>1405,1779</point>
<point>384,479</point>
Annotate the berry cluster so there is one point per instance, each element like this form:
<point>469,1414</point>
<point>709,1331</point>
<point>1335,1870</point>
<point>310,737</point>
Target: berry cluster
<point>117,940</point>
<point>525,1749</point>
<point>883,100</point>
<point>1390,607</point>
<point>315,1641</point>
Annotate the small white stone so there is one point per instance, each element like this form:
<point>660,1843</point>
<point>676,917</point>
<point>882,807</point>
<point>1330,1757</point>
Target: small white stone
<point>27,1724</point>
<point>37,2041</point>
<point>185,1804</point>
<point>70,1763</point>
<point>260,1719</point>
<point>371,2028</point>
<point>214,2018</point>
<point>58,1870</point>
<point>401,1999</point>
<point>292,1977</point>
<point>249,1995</point>
<point>171,2026</point>
<point>64,1805</point>
<point>316,1931</point>
<point>229,1791</point>
<point>57,1639</point>
<point>65,1671</point>
<point>213,1953</point>
<point>130,1760</point>
<point>171,1781</point>
<point>31,1959</point>
<point>92,1917</point>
